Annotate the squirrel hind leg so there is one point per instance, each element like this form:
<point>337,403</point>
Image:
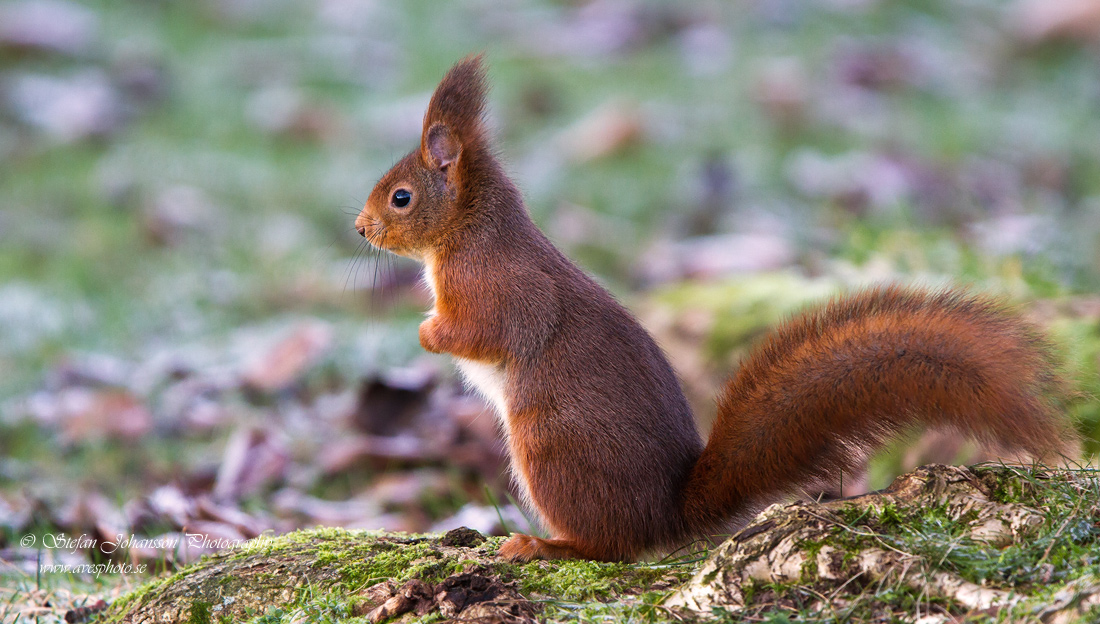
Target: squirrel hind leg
<point>524,548</point>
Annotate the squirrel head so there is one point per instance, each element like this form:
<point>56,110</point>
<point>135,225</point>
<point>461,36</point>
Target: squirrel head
<point>423,197</point>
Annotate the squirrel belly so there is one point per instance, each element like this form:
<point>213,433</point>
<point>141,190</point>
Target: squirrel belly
<point>489,380</point>
<point>600,436</point>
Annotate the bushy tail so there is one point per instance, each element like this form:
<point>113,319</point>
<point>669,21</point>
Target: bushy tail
<point>834,383</point>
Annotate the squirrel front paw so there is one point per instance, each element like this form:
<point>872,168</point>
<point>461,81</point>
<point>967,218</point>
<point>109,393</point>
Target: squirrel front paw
<point>429,335</point>
<point>523,548</point>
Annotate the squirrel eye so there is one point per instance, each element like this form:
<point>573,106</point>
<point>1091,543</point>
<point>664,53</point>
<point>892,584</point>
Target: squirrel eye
<point>401,198</point>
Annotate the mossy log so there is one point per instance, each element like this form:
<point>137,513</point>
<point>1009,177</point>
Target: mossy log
<point>929,546</point>
<point>900,553</point>
<point>351,573</point>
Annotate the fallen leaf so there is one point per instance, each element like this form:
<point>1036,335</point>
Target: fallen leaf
<point>415,595</point>
<point>85,414</point>
<point>485,519</point>
<point>359,512</point>
<point>253,458</point>
<point>48,26</point>
<point>408,488</point>
<point>165,505</point>
<point>16,513</point>
<point>177,211</point>
<point>781,90</point>
<point>210,536</point>
<point>609,130</point>
<point>91,513</point>
<point>710,257</point>
<point>247,525</point>
<point>880,67</point>
<point>283,364</point>
<point>379,451</point>
<point>388,405</point>
<point>67,109</point>
<point>1037,21</point>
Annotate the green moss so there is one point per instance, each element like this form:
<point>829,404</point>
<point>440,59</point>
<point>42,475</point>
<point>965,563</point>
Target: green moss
<point>646,607</point>
<point>584,580</point>
<point>388,561</point>
<point>710,576</point>
<point>139,594</point>
<point>274,615</point>
<point>891,517</point>
<point>1007,485</point>
<point>809,566</point>
<point>854,514</point>
<point>572,581</point>
<point>358,558</point>
<point>200,613</point>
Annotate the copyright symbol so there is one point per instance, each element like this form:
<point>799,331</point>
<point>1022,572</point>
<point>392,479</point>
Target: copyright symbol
<point>27,541</point>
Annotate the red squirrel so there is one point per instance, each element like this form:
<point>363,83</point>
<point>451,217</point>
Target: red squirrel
<point>602,443</point>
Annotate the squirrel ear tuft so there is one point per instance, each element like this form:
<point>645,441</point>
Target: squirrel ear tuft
<point>456,109</point>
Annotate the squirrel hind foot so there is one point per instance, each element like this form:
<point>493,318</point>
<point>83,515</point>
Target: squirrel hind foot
<point>524,548</point>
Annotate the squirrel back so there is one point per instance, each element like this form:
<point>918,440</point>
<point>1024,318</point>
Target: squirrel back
<point>602,442</point>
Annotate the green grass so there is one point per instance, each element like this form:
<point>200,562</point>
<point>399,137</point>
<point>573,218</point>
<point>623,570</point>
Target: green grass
<point>80,272</point>
<point>75,239</point>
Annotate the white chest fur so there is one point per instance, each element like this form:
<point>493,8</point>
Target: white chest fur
<point>488,380</point>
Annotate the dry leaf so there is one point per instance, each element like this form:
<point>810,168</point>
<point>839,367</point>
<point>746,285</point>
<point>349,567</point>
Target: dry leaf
<point>48,25</point>
<point>253,458</point>
<point>1036,21</point>
<point>606,131</point>
<point>84,414</point>
<point>281,366</point>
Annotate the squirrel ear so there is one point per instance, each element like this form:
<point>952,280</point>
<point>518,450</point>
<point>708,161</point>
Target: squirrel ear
<point>441,147</point>
<point>454,115</point>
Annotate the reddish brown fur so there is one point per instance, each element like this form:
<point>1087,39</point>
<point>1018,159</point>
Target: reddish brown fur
<point>839,381</point>
<point>597,425</point>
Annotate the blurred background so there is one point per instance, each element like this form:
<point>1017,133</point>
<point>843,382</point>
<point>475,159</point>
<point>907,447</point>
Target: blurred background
<point>193,338</point>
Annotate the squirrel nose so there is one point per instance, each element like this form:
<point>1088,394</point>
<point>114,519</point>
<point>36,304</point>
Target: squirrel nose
<point>362,229</point>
